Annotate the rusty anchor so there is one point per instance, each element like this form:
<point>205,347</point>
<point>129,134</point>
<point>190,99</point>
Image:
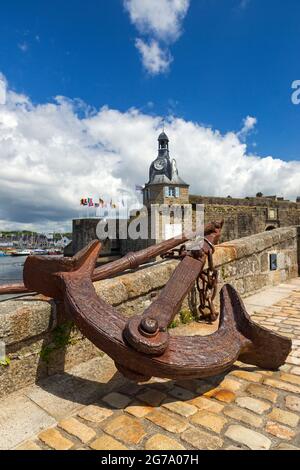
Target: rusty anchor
<point>141,346</point>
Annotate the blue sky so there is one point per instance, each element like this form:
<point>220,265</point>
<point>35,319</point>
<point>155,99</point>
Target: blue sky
<point>83,91</point>
<point>233,59</point>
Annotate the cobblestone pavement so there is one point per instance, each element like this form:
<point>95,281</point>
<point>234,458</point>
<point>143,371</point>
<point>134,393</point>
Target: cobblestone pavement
<point>95,408</point>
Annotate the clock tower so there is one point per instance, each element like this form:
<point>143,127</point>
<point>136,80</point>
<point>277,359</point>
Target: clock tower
<point>165,185</point>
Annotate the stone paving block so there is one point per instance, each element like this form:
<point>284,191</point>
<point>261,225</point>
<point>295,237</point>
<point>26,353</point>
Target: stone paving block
<point>231,385</point>
<point>169,423</point>
<point>293,379</point>
<point>295,370</point>
<point>233,448</point>
<point>209,420</point>
<point>284,417</point>
<point>20,419</point>
<point>282,385</point>
<point>152,397</point>
<point>180,407</point>
<point>107,443</point>
<point>161,442</point>
<point>284,446</point>
<point>295,352</point>
<point>248,376</point>
<point>181,393</point>
<point>263,392</point>
<point>138,409</point>
<point>282,432</point>
<point>76,428</point>
<point>201,440</point>
<point>267,373</point>
<point>225,396</point>
<point>191,385</point>
<point>63,394</point>
<point>292,403</point>
<point>54,439</point>
<point>211,392</point>
<point>130,388</point>
<point>293,360</point>
<point>127,429</point>
<point>252,404</point>
<point>60,399</point>
<point>28,445</point>
<point>116,400</point>
<point>95,413</point>
<point>206,404</point>
<point>248,437</point>
<point>244,416</point>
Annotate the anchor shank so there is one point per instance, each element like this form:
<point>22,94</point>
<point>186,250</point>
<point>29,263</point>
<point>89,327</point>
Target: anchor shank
<point>168,303</point>
<point>148,333</point>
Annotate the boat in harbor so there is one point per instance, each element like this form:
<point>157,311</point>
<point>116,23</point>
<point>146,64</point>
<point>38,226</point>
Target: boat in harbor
<point>39,252</point>
<point>2,253</point>
<point>21,253</point>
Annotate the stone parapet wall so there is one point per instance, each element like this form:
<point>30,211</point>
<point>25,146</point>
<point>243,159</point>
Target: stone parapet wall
<point>248,216</point>
<point>41,341</point>
<point>250,201</point>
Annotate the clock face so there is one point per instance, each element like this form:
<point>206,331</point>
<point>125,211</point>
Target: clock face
<point>159,164</point>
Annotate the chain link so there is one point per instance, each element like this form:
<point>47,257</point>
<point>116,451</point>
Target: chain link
<point>207,284</point>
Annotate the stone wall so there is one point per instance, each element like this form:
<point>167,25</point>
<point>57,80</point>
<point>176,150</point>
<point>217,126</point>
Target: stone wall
<point>248,216</point>
<point>242,216</point>
<point>85,230</point>
<point>41,341</point>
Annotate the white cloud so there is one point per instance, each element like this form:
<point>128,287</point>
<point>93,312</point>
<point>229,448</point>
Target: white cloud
<point>51,156</point>
<point>161,22</point>
<point>249,124</point>
<point>2,89</point>
<point>159,18</point>
<point>155,59</point>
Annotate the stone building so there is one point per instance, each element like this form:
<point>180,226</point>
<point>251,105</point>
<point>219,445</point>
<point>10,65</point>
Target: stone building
<point>242,216</point>
<point>165,185</point>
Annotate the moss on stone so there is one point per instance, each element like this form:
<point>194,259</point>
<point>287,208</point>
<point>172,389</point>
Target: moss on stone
<point>61,338</point>
<point>5,362</point>
<point>186,316</point>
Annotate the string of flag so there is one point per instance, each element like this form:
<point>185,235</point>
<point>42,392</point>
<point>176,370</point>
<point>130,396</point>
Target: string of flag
<point>89,202</point>
<point>101,203</point>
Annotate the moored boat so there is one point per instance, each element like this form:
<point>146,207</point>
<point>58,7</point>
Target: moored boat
<point>21,253</point>
<point>39,251</point>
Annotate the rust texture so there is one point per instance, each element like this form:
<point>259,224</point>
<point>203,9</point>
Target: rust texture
<point>141,347</point>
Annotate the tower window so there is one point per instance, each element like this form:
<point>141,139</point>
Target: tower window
<point>171,192</point>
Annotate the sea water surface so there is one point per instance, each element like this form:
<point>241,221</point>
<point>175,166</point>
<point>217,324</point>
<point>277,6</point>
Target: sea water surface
<point>11,269</point>
<point>11,272</point>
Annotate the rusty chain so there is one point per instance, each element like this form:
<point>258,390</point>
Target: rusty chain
<point>206,284</point>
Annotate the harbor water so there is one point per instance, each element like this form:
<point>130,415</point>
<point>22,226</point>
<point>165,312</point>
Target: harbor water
<point>11,272</point>
<point>11,269</point>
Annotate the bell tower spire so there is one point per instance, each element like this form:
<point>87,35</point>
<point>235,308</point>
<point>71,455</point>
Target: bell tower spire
<point>163,145</point>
